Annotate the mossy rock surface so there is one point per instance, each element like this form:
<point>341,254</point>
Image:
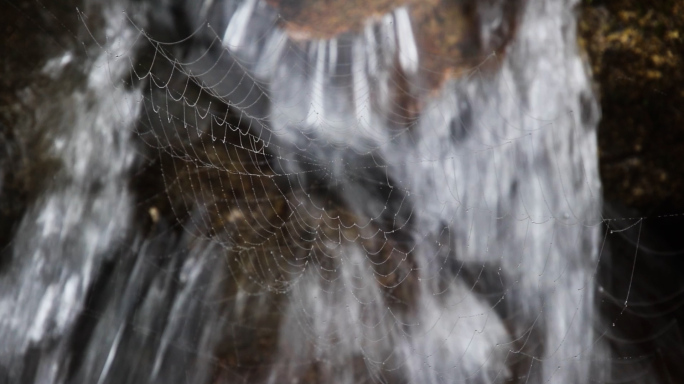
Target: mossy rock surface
<point>636,52</point>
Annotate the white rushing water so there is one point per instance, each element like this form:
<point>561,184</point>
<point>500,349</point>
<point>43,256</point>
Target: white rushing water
<point>504,163</point>
<point>472,251</point>
<point>80,286</point>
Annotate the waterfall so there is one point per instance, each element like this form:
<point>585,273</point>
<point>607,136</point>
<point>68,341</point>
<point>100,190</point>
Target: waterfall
<point>239,195</point>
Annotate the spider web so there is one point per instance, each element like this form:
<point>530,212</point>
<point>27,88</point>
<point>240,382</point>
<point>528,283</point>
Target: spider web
<point>376,216</point>
<point>371,200</point>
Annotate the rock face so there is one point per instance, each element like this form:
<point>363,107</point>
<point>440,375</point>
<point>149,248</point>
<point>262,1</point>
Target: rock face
<point>637,55</point>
